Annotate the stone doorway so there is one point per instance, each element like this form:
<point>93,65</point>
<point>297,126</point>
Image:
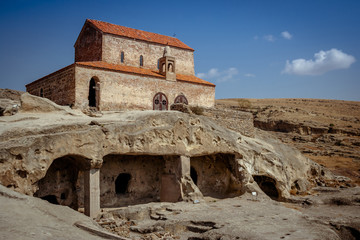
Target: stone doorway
<point>160,102</point>
<point>94,90</point>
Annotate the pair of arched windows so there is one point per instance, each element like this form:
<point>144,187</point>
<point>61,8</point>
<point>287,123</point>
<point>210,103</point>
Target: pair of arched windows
<point>122,59</point>
<point>160,101</point>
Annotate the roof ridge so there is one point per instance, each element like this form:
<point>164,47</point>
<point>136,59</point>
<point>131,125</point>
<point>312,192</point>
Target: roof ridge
<point>129,32</point>
<point>131,28</point>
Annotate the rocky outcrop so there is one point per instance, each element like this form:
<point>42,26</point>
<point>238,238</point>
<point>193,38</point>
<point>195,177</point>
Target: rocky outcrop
<point>327,131</point>
<point>25,217</point>
<point>31,103</point>
<point>9,101</point>
<point>31,141</point>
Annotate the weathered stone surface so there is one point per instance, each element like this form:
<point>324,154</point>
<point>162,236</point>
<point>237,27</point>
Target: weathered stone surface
<point>24,217</point>
<point>328,215</point>
<point>30,142</point>
<point>31,103</point>
<point>9,101</point>
<point>8,107</point>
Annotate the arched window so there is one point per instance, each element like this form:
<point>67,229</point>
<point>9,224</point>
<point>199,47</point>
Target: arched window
<point>122,183</point>
<point>141,60</point>
<point>181,99</point>
<point>160,102</point>
<point>158,64</point>
<point>122,57</point>
<point>170,67</point>
<point>94,92</point>
<point>41,92</point>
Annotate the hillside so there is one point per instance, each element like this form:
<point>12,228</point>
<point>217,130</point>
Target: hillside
<point>326,131</point>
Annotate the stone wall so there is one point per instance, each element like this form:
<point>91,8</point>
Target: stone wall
<point>117,90</point>
<point>151,52</point>
<point>89,45</point>
<point>238,121</point>
<point>59,86</point>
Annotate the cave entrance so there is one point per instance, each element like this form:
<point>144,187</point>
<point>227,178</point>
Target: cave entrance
<point>122,183</point>
<point>214,175</point>
<point>130,179</point>
<point>51,199</point>
<point>193,175</point>
<point>59,186</point>
<point>268,186</point>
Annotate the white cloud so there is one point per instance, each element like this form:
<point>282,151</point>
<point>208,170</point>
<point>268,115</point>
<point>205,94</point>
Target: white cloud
<point>269,38</point>
<point>286,35</point>
<point>324,61</point>
<point>250,75</point>
<point>219,76</point>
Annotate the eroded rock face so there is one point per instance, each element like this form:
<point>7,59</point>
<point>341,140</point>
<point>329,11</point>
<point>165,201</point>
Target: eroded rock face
<point>9,101</point>
<point>32,143</point>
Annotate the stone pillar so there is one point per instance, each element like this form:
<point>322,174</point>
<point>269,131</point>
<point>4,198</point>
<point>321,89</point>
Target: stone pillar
<point>92,192</point>
<point>184,163</point>
<point>176,168</point>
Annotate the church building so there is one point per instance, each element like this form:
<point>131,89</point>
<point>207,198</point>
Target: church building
<point>120,68</point>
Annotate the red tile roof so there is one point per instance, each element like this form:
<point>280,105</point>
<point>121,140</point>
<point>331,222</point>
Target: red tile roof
<point>142,71</point>
<point>138,34</point>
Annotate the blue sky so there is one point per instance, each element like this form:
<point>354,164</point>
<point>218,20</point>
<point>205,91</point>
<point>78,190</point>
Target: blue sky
<point>249,49</point>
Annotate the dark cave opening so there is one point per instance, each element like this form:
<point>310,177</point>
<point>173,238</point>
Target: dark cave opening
<point>193,175</point>
<point>51,199</point>
<point>122,183</point>
<point>268,186</point>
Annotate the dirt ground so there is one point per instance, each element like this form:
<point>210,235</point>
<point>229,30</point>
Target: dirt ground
<point>328,214</point>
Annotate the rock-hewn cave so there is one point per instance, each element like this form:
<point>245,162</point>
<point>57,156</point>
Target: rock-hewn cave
<point>214,175</point>
<point>268,185</point>
<point>128,180</point>
<point>59,184</point>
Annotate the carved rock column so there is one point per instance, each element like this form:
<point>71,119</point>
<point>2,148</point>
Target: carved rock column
<point>92,192</point>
